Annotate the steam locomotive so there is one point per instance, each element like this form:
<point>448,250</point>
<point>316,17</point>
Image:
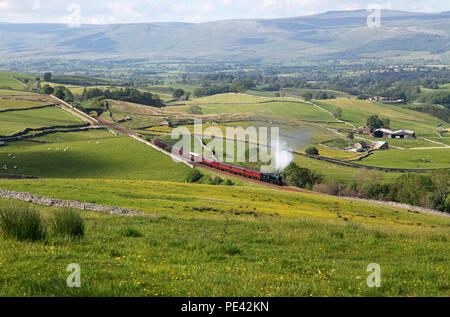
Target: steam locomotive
<point>234,169</point>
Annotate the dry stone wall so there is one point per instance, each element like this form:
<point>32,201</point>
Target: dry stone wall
<point>66,203</point>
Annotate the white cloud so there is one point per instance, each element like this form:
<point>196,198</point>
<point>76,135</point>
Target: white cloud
<point>125,11</point>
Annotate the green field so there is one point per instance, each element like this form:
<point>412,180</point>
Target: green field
<point>8,92</point>
<point>16,121</point>
<point>357,112</point>
<point>213,240</point>
<point>280,109</point>
<point>433,158</point>
<point>289,245</point>
<point>9,83</point>
<point>19,104</point>
<point>111,158</point>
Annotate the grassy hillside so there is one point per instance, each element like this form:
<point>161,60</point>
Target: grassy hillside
<point>330,35</point>
<point>236,103</point>
<point>19,104</point>
<point>19,120</point>
<point>7,92</point>
<point>6,81</point>
<point>108,158</point>
<point>433,158</point>
<point>357,112</point>
<point>227,241</point>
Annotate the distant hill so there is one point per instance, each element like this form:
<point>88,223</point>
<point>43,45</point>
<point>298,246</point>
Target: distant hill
<point>336,34</point>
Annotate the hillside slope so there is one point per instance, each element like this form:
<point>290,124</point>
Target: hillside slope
<point>331,34</point>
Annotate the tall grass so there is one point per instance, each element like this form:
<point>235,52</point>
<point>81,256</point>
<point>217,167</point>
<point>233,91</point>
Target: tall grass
<point>22,224</point>
<point>68,223</point>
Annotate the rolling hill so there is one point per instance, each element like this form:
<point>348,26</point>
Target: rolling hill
<point>336,34</point>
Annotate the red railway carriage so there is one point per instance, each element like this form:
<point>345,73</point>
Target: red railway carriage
<point>234,169</point>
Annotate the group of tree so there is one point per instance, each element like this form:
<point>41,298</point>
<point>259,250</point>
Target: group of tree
<point>293,175</point>
<point>375,122</point>
<point>60,92</point>
<point>124,94</point>
<point>179,93</point>
<point>312,151</point>
<point>429,191</point>
<point>195,176</point>
<point>237,86</point>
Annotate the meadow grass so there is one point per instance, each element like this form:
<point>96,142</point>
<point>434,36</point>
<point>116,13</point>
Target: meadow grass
<point>333,172</point>
<point>7,92</point>
<point>21,223</point>
<point>19,104</point>
<point>7,82</point>
<point>107,158</point>
<point>19,120</point>
<point>433,158</point>
<point>280,109</point>
<point>204,254</point>
<point>68,223</point>
<point>357,112</point>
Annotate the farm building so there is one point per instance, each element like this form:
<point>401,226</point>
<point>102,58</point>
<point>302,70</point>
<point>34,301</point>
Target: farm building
<point>394,134</point>
<point>380,145</point>
<point>361,145</point>
<point>166,123</point>
<point>364,130</point>
<point>385,100</point>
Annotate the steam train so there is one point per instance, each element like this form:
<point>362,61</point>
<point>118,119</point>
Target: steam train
<point>234,169</point>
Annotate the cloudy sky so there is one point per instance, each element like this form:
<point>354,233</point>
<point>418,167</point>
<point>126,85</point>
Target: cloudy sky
<point>132,11</point>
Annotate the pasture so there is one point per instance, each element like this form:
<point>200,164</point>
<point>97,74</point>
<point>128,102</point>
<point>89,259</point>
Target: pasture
<point>6,82</point>
<point>9,92</point>
<point>276,109</point>
<point>19,104</point>
<point>108,158</point>
<point>16,121</point>
<point>226,241</point>
<point>357,112</point>
<point>433,158</point>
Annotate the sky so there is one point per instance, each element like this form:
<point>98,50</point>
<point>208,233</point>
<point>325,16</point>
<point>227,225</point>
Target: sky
<point>137,11</point>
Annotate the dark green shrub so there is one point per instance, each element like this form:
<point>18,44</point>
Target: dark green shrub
<point>216,181</point>
<point>194,176</point>
<point>22,224</point>
<point>68,223</point>
<point>312,151</point>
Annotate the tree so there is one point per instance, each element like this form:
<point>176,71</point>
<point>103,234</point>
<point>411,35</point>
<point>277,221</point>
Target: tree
<point>195,109</point>
<point>375,122</point>
<point>351,135</point>
<point>178,93</point>
<point>322,95</point>
<point>300,177</point>
<point>312,151</point>
<point>337,113</point>
<point>441,182</point>
<point>59,92</point>
<point>237,87</point>
<point>193,176</point>
<point>307,95</point>
<point>47,89</point>
<point>47,76</point>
